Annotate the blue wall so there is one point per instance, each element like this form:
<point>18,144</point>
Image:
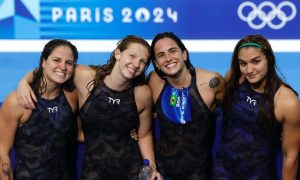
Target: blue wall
<point>13,66</point>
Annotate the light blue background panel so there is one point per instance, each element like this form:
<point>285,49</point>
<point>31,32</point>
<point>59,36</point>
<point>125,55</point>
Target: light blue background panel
<point>13,66</point>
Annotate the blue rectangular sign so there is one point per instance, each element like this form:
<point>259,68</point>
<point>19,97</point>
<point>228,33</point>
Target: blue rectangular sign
<point>113,19</point>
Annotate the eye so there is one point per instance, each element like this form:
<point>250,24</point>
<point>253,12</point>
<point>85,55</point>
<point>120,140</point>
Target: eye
<point>173,50</point>
<point>144,62</point>
<point>242,63</point>
<point>70,63</point>
<point>256,61</point>
<point>160,56</point>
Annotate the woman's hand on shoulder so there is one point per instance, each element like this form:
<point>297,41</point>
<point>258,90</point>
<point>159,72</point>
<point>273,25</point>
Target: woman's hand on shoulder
<point>25,95</point>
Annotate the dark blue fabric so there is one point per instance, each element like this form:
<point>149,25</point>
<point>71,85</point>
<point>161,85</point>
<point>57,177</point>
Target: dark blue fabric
<point>244,140</point>
<point>219,120</point>
<point>215,147</point>
<point>107,118</point>
<point>45,145</point>
<point>183,150</point>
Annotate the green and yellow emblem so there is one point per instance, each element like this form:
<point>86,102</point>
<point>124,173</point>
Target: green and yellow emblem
<point>173,100</point>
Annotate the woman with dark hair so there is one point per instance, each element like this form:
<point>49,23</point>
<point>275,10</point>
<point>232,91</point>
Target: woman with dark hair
<point>41,137</point>
<point>114,99</point>
<point>260,112</point>
<point>184,99</point>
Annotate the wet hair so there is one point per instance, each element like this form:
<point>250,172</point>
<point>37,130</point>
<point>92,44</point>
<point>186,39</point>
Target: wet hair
<point>39,84</point>
<point>180,44</point>
<point>103,70</point>
<point>272,83</point>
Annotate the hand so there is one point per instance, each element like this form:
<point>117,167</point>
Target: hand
<point>156,175</point>
<point>25,95</point>
<point>134,135</point>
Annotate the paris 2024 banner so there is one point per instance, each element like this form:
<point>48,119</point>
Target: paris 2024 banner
<point>113,19</point>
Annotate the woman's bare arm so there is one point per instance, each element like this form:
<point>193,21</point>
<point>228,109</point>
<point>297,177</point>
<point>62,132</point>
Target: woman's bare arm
<point>10,115</point>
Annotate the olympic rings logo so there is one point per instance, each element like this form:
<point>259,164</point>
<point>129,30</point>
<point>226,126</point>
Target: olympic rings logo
<point>267,18</point>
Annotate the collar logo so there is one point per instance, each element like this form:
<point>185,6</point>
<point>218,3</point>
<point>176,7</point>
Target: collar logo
<point>260,16</point>
<point>113,101</point>
<point>251,101</point>
<point>53,109</point>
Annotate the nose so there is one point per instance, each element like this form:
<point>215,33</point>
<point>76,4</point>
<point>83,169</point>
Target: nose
<point>63,66</point>
<point>249,69</point>
<point>136,63</point>
<point>168,57</point>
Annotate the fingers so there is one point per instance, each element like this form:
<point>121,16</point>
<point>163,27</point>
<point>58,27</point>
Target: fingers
<point>20,101</point>
<point>26,102</point>
<point>33,96</point>
<point>154,115</point>
<point>134,135</point>
<point>32,100</point>
<point>156,176</point>
<point>25,95</point>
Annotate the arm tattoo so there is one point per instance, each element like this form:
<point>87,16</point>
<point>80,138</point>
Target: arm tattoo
<point>214,82</point>
<point>6,170</point>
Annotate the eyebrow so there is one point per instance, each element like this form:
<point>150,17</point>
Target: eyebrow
<point>172,48</point>
<point>250,59</point>
<point>159,53</point>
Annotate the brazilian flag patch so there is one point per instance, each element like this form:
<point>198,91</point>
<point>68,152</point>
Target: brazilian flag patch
<point>173,100</point>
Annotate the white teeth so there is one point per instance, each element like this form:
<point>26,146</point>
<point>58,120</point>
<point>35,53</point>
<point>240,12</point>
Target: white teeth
<point>132,70</point>
<point>171,65</point>
<point>60,74</point>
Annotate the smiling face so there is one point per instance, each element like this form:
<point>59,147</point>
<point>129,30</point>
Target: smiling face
<point>58,67</point>
<point>253,65</point>
<point>132,61</point>
<point>169,57</point>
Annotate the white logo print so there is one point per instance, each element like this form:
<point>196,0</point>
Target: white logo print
<point>113,101</point>
<point>52,110</point>
<point>251,101</point>
<point>267,17</point>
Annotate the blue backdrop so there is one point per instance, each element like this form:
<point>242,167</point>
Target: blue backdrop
<point>13,66</point>
<point>98,19</point>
